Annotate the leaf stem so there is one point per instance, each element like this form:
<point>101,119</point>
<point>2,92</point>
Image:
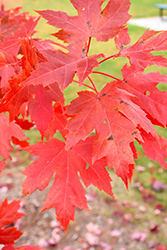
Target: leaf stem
<point>107,58</point>
<point>105,74</point>
<point>89,41</point>
<point>84,85</point>
<point>94,87</point>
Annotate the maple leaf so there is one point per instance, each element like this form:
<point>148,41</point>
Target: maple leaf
<point>7,28</point>
<point>7,71</point>
<point>139,53</point>
<point>13,22</point>
<point>26,247</point>
<point>9,235</point>
<point>15,98</point>
<point>18,92</point>
<point>155,149</point>
<point>30,57</point>
<point>58,122</point>
<point>15,25</point>
<point>9,214</point>
<point>62,67</point>
<point>116,120</point>
<point>24,124</point>
<point>6,133</point>
<point>91,21</point>
<point>96,173</point>
<point>146,94</point>
<point>41,109</point>
<point>66,191</point>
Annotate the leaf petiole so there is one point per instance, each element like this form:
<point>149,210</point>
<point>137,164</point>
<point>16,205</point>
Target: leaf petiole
<point>89,41</point>
<point>105,74</point>
<point>94,87</point>
<point>84,85</point>
<point>109,57</point>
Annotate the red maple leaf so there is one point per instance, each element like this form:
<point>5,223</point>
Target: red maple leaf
<point>40,107</point>
<point>146,93</point>
<point>7,132</point>
<point>66,191</point>
<point>18,92</point>
<point>9,214</point>
<point>26,247</point>
<point>24,124</point>
<point>155,149</point>
<point>15,98</point>
<point>8,234</point>
<point>7,71</point>
<point>62,67</point>
<point>58,122</point>
<point>30,57</point>
<point>91,21</point>
<point>13,23</point>
<point>116,120</point>
<point>139,54</point>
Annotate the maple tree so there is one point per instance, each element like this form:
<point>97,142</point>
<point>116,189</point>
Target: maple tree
<point>100,126</point>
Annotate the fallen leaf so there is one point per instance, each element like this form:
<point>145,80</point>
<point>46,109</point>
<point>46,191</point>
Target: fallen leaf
<point>142,209</point>
<point>56,236</point>
<point>157,211</point>
<point>159,186</point>
<point>139,236</point>
<point>140,168</point>
<point>160,207</point>
<point>93,228</point>
<point>149,197</point>
<point>43,243</point>
<point>52,242</point>
<point>92,239</point>
<point>105,246</point>
<point>55,223</point>
<point>135,204</point>
<point>115,233</point>
<point>155,228</point>
<point>89,197</point>
<point>161,247</point>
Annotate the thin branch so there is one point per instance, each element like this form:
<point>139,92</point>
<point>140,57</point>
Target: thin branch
<point>105,74</point>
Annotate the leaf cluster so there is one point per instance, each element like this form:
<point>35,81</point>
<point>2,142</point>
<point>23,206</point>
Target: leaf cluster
<point>98,128</point>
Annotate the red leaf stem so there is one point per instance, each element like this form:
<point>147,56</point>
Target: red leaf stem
<point>84,85</point>
<point>105,74</point>
<point>93,84</point>
<point>89,41</point>
<point>109,57</point>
